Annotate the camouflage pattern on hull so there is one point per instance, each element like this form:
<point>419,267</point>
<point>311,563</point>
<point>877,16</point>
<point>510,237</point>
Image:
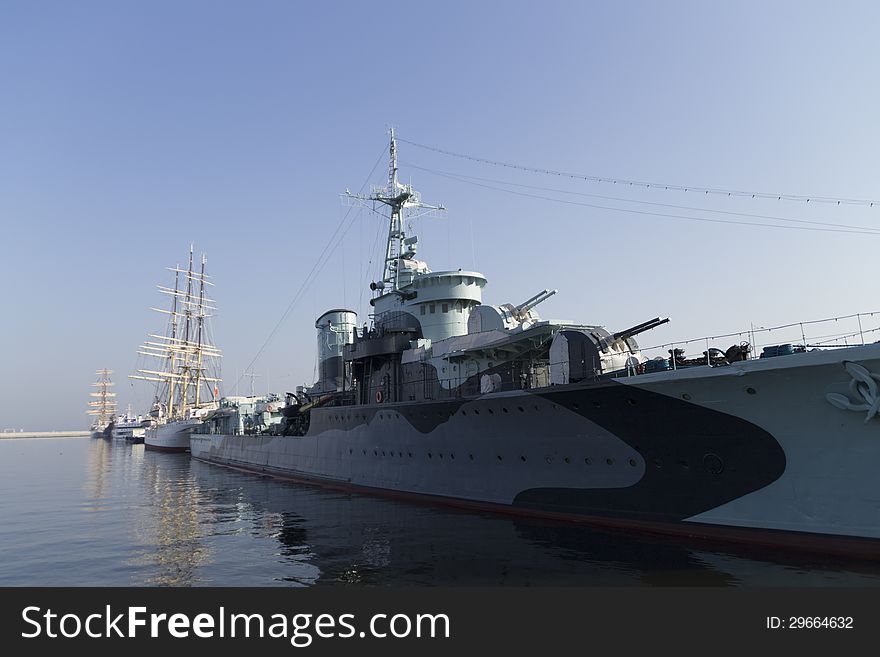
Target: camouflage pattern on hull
<point>752,445</point>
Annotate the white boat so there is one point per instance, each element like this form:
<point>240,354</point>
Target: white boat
<point>187,375</point>
<point>129,426</point>
<point>171,436</point>
<point>103,407</point>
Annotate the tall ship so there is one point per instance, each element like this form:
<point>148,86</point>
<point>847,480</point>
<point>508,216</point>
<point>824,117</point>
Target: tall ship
<point>443,397</point>
<point>102,407</point>
<point>187,370</point>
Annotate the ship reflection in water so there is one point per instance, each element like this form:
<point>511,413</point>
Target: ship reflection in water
<point>197,524</point>
<point>80,512</point>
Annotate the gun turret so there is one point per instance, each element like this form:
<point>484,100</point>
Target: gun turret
<point>639,328</point>
<point>527,305</point>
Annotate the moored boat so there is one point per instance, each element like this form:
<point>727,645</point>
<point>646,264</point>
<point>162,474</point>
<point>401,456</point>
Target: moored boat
<point>448,399</point>
<point>187,375</point>
<point>103,407</point>
<point>129,426</point>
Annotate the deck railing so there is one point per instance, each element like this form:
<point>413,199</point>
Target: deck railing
<point>832,332</point>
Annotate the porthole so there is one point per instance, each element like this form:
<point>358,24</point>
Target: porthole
<point>686,396</point>
<point>430,456</point>
<point>632,462</point>
<point>522,458</point>
<point>440,455</point>
<point>464,412</point>
<point>476,412</point>
<point>499,457</point>
<point>491,412</point>
<point>350,451</point>
<point>504,408</point>
<point>471,457</point>
<point>631,401</point>
<point>409,454</point>
<point>609,461</point>
<point>751,390</point>
<point>452,456</point>
<point>588,460</point>
<point>383,452</point>
<point>713,464</point>
<point>567,460</point>
<point>549,459</point>
<point>375,452</point>
<point>576,407</point>
<point>684,465</point>
<point>521,409</point>
<point>365,452</point>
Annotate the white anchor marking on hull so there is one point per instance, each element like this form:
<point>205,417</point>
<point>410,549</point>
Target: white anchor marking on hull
<point>863,386</point>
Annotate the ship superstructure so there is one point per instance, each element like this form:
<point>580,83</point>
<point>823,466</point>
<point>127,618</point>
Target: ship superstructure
<point>444,397</point>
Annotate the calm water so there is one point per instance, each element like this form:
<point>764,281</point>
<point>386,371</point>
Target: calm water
<point>77,511</point>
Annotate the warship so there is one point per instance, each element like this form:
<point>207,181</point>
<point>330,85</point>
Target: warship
<point>444,398</point>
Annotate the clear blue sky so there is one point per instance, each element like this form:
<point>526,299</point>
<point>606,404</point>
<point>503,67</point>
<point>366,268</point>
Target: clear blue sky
<point>130,129</point>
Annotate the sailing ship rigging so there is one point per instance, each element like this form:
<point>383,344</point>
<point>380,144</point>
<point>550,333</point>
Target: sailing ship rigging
<point>187,370</point>
<point>103,407</point>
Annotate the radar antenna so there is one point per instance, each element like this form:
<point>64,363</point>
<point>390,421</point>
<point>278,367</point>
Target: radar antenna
<point>398,197</point>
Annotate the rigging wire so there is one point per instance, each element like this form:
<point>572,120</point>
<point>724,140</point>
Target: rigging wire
<point>658,214</point>
<point>375,251</point>
<point>649,185</point>
<point>319,265</point>
<point>640,202</point>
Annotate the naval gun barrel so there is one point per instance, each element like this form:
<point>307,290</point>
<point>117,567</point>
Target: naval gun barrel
<point>527,305</point>
<point>639,328</point>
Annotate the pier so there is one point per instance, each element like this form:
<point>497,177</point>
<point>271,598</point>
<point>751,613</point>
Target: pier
<point>42,434</point>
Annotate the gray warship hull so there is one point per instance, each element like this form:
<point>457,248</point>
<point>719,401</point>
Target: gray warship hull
<point>754,451</point>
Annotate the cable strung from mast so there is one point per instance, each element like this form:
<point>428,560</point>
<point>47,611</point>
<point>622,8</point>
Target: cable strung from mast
<point>656,214</point>
<point>313,273</point>
<point>649,185</point>
<point>692,208</point>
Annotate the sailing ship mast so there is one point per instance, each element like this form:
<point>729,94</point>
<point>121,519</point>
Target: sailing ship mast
<point>104,407</point>
<point>185,351</point>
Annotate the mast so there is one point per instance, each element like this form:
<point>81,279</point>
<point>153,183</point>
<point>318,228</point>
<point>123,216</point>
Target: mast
<point>104,407</point>
<point>186,377</point>
<point>397,197</point>
<point>184,349</point>
<point>171,354</point>
<point>200,315</point>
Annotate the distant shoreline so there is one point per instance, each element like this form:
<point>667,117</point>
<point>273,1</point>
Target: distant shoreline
<point>43,434</point>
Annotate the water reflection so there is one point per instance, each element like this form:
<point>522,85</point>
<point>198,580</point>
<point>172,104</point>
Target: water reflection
<point>163,519</point>
<point>355,538</point>
<point>168,522</point>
